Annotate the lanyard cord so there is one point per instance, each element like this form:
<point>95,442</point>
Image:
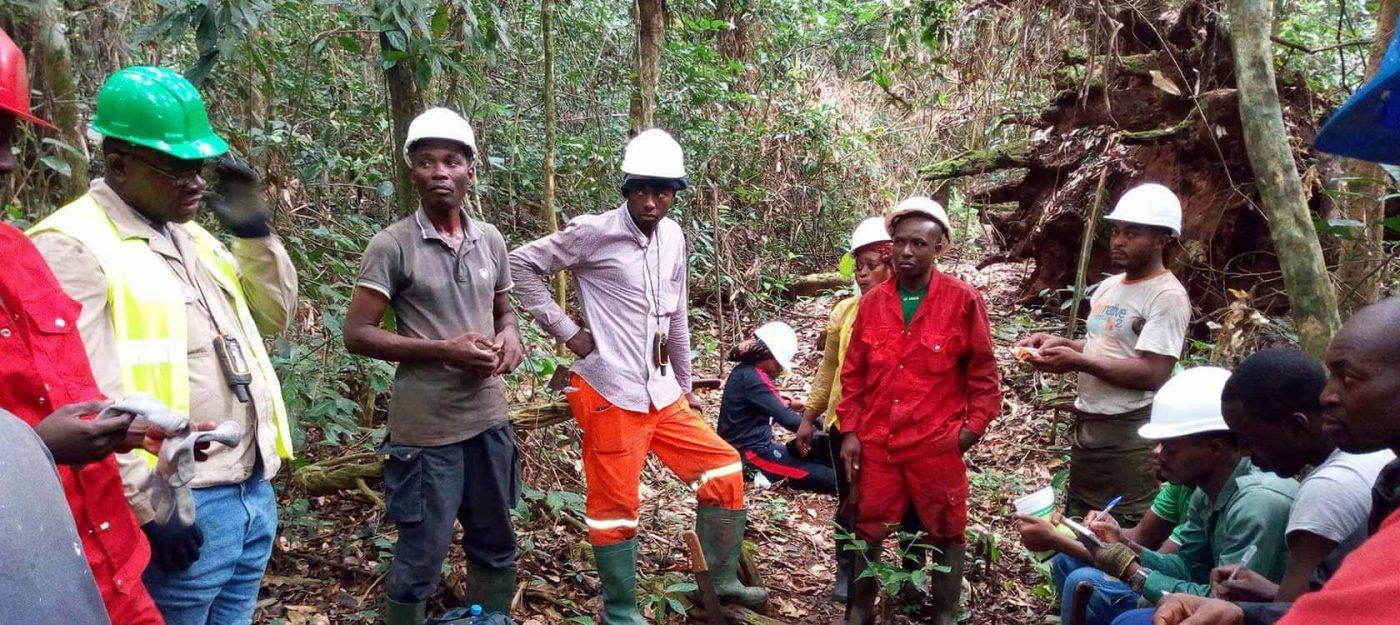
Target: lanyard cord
<point>652,280</point>
<point>194,279</point>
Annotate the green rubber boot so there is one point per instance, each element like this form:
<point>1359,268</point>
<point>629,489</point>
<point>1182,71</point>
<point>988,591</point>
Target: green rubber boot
<point>722,536</point>
<point>492,589</point>
<point>396,613</point>
<point>617,570</point>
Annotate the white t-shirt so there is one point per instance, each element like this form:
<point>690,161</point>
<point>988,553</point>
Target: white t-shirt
<point>1334,502</point>
<point>1126,318</point>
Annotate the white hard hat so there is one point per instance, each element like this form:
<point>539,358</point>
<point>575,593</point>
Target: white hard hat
<point>871,230</point>
<point>440,123</point>
<point>654,154</point>
<point>781,342</point>
<point>1149,204</point>
<point>920,205</point>
<point>1189,403</point>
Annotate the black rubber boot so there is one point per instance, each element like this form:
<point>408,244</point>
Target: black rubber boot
<point>860,609</point>
<point>396,613</point>
<point>492,589</point>
<point>845,561</point>
<point>945,588</point>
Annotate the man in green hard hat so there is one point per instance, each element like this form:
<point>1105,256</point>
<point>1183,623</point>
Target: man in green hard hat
<point>168,311</point>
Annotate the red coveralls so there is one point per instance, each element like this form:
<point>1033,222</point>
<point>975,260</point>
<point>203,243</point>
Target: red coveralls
<point>907,392</point>
<point>43,366</point>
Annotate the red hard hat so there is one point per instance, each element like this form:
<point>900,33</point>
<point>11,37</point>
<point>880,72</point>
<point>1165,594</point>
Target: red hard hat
<point>14,82</point>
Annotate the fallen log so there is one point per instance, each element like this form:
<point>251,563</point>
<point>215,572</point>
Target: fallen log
<point>695,613</point>
<point>1007,156</point>
<point>352,472</point>
<point>801,286</point>
<point>816,284</point>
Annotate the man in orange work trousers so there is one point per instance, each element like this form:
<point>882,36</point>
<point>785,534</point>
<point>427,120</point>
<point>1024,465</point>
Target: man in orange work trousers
<point>920,388</point>
<point>630,386</point>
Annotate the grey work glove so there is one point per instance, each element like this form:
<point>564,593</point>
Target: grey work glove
<point>169,484</point>
<point>235,196</point>
<point>1115,559</point>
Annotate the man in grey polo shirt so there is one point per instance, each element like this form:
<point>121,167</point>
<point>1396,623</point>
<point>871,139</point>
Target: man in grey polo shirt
<point>450,454</point>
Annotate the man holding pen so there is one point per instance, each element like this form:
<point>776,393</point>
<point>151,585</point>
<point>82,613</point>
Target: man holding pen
<point>1234,509</point>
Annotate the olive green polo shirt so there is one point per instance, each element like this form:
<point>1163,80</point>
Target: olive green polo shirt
<point>440,293</point>
<point>1252,509</point>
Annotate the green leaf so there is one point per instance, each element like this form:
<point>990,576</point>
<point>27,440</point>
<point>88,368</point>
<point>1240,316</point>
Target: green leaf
<point>676,605</point>
<point>1392,224</point>
<point>847,267</point>
<point>919,578</point>
<point>392,57</point>
<point>681,587</point>
<point>441,21</point>
<point>350,44</point>
<point>397,40</point>
<point>61,145</point>
<point>385,189</point>
<point>57,164</point>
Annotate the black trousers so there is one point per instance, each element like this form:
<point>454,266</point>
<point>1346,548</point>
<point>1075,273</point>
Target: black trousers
<point>428,489</point>
<point>813,473</point>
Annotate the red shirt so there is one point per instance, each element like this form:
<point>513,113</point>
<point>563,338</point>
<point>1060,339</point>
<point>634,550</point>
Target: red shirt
<point>44,365</point>
<point>1364,591</point>
<point>911,389</point>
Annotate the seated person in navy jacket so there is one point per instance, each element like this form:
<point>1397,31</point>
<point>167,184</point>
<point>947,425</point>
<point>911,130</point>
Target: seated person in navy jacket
<point>752,404</point>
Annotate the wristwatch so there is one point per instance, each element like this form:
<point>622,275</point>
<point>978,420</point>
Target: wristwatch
<point>1139,579</point>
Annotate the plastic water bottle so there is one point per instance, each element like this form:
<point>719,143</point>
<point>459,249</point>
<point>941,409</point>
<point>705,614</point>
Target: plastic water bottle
<point>476,615</point>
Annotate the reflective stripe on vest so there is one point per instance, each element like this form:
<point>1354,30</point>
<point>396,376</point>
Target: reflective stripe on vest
<point>148,309</point>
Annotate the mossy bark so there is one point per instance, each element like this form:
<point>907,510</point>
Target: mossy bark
<point>1008,156</point>
<point>1312,301</point>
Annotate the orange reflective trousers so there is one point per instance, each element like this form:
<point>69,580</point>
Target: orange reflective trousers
<point>615,446</point>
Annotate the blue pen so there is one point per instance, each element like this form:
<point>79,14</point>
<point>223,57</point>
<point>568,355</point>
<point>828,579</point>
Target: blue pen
<point>1113,502</point>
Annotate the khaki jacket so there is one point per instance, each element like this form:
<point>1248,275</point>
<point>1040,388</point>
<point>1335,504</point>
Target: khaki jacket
<point>269,282</point>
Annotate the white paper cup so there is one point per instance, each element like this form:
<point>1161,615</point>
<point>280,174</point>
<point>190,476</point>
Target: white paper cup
<point>1040,503</point>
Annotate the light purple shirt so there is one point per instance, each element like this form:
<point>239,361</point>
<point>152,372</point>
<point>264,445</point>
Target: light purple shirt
<point>631,288</point>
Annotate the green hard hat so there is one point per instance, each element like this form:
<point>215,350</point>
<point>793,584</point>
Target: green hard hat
<point>156,108</point>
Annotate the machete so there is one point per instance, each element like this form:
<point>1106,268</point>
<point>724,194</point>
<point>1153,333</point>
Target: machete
<point>714,614</point>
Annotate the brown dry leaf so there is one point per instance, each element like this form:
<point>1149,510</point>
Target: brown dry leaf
<point>1165,84</point>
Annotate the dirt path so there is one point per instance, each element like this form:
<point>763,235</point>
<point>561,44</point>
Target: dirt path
<point>333,551</point>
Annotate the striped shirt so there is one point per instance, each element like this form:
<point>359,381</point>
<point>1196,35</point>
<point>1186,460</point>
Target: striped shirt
<point>632,288</point>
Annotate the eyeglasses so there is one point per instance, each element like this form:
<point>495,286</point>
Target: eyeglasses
<point>187,174</point>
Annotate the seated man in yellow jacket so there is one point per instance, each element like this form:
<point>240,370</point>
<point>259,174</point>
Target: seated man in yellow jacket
<point>168,311</point>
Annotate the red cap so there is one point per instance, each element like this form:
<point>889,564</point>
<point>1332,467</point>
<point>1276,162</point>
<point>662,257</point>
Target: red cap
<point>14,82</point>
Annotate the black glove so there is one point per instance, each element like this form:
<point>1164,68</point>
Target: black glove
<point>174,547</point>
<point>236,198</point>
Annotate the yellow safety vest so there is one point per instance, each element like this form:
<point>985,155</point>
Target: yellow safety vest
<point>148,308</point>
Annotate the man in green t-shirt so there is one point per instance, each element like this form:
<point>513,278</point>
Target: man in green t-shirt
<point>1235,511</point>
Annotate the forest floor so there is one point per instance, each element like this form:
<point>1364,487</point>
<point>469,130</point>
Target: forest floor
<point>333,551</point>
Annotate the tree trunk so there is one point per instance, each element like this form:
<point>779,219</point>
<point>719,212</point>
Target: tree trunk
<point>405,103</point>
<point>1312,302</point>
<point>53,62</point>
<point>1362,186</point>
<point>651,25</point>
<point>551,121</point>
<point>732,41</point>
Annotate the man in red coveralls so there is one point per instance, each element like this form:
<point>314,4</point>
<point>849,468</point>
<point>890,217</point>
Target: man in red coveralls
<point>45,380</point>
<point>921,387</point>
